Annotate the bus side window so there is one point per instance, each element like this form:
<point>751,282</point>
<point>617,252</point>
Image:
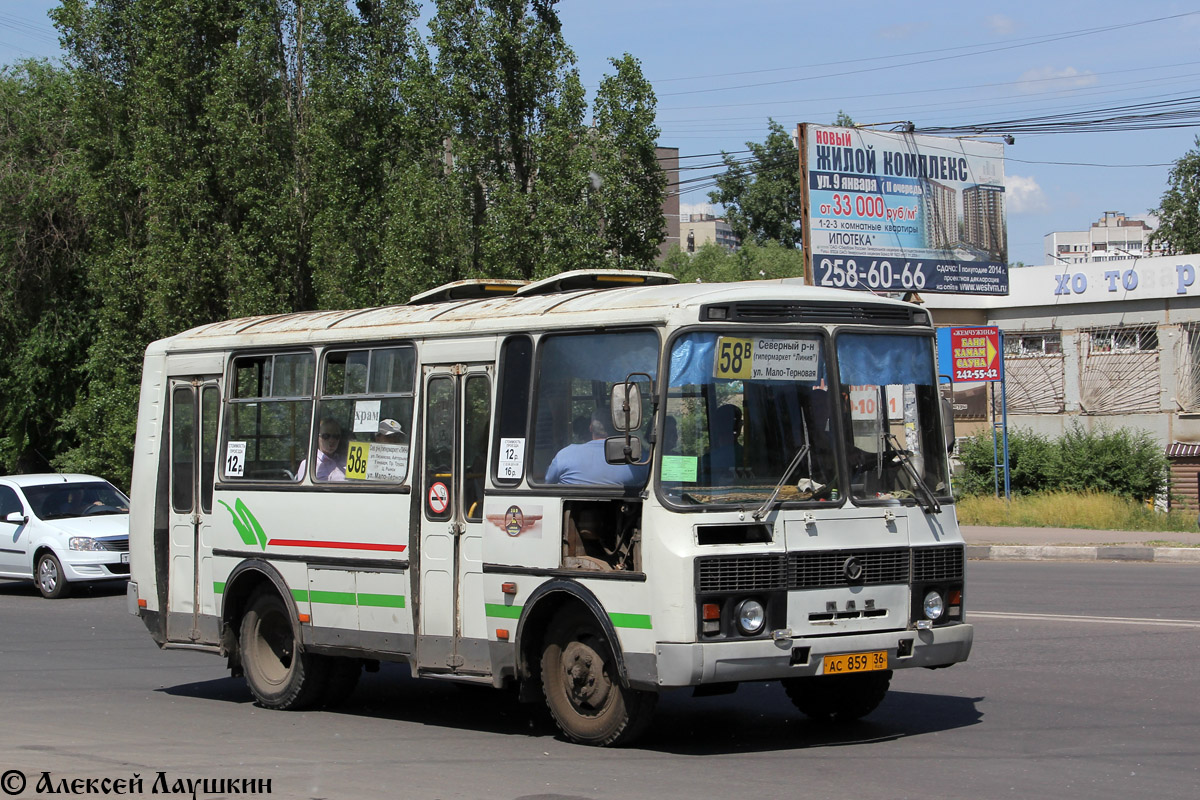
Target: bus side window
<point>512,410</point>
<point>364,413</point>
<point>270,413</point>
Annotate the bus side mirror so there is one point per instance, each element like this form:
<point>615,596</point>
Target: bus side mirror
<point>948,423</point>
<point>614,449</point>
<point>626,405</point>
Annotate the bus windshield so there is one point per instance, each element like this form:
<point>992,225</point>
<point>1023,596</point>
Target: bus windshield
<point>894,444</point>
<point>743,410</point>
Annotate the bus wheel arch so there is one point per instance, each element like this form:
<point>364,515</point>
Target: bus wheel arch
<point>261,636</point>
<point>547,601</point>
<point>568,649</point>
<point>245,579</point>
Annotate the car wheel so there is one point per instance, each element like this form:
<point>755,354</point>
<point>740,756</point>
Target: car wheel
<point>280,674</point>
<point>583,689</point>
<point>48,574</point>
<point>838,698</point>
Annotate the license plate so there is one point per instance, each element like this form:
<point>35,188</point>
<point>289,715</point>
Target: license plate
<point>124,558</point>
<point>856,662</point>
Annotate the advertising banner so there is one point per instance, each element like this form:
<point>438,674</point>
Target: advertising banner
<point>902,212</point>
<point>975,354</point>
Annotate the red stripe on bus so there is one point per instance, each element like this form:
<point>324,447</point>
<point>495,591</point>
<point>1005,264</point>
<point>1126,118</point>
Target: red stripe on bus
<point>395,548</point>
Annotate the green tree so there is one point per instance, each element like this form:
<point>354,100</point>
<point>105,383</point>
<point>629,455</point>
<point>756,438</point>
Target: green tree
<point>761,194</point>
<point>631,181</point>
<point>46,319</point>
<point>712,263</point>
<point>514,105</point>
<point>190,182</point>
<point>1178,211</point>
<point>384,221</point>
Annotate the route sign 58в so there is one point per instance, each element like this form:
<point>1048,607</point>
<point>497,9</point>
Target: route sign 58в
<point>975,353</point>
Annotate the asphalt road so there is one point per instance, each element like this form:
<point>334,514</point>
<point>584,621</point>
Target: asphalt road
<point>1083,684</point>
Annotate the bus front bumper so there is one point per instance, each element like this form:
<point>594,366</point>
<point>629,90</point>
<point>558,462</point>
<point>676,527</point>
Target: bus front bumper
<point>693,664</point>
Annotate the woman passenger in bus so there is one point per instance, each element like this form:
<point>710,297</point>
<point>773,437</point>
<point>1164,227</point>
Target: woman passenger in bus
<point>331,456</point>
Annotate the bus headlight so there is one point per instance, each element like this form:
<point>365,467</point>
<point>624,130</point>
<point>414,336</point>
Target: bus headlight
<point>751,617</point>
<point>934,606</point>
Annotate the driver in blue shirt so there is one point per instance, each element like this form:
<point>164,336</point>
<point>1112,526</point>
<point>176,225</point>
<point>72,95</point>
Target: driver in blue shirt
<point>584,464</point>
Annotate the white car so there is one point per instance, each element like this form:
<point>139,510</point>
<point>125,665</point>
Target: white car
<point>59,529</point>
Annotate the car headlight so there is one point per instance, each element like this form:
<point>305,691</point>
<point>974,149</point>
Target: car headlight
<point>84,543</point>
<point>751,617</point>
<point>934,605</point>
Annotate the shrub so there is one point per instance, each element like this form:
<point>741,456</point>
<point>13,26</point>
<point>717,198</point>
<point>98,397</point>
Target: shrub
<point>1122,462</point>
<point>1033,463</point>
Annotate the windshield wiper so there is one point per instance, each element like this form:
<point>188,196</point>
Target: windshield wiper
<point>765,508</point>
<point>928,502</point>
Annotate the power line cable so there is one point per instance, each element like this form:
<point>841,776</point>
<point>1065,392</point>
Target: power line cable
<point>1089,32</point>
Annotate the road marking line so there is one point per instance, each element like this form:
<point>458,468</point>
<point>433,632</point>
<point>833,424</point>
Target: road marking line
<point>1171,623</point>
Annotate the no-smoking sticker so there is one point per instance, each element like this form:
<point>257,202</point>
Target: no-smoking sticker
<point>439,498</point>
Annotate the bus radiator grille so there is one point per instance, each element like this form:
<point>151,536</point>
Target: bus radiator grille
<point>825,569</point>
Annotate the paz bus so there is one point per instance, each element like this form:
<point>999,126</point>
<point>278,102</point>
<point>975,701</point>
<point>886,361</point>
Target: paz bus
<point>591,489</point>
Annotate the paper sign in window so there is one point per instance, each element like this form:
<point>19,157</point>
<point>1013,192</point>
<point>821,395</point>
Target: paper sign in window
<point>679,468</point>
<point>235,459</point>
<point>512,459</point>
<point>387,462</point>
<point>366,416</point>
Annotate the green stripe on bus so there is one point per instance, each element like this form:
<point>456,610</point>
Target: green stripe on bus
<point>331,598</point>
<point>641,621</point>
<point>381,600</point>
<point>502,611</point>
<point>337,598</point>
<point>631,621</point>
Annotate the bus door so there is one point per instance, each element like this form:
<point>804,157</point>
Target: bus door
<point>195,408</point>
<point>451,635</point>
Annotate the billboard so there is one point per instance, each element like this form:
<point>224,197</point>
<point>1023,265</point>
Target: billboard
<point>975,354</point>
<point>887,211</point>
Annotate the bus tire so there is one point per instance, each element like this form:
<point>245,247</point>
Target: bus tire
<point>582,686</point>
<point>341,680</point>
<point>280,675</point>
<point>838,698</point>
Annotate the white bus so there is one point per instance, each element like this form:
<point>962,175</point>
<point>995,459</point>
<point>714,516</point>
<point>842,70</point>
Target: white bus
<point>592,488</point>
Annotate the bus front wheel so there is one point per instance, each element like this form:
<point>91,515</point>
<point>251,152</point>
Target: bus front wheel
<point>838,698</point>
<point>280,675</point>
<point>583,689</point>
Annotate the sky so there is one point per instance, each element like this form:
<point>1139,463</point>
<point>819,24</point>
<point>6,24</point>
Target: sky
<point>721,70</point>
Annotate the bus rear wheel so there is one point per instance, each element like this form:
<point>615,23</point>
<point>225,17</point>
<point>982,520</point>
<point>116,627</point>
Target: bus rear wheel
<point>838,698</point>
<point>280,674</point>
<point>583,687</point>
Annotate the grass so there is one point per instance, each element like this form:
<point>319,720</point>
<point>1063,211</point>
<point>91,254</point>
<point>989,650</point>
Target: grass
<point>1067,510</point>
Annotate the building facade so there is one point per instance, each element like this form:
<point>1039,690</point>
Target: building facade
<point>1114,237</point>
<point>984,227</point>
<point>668,161</point>
<point>696,230</point>
<point>1102,345</point>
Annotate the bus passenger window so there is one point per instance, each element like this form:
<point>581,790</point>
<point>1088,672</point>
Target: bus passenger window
<point>270,413</point>
<point>512,410</point>
<point>365,413</point>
